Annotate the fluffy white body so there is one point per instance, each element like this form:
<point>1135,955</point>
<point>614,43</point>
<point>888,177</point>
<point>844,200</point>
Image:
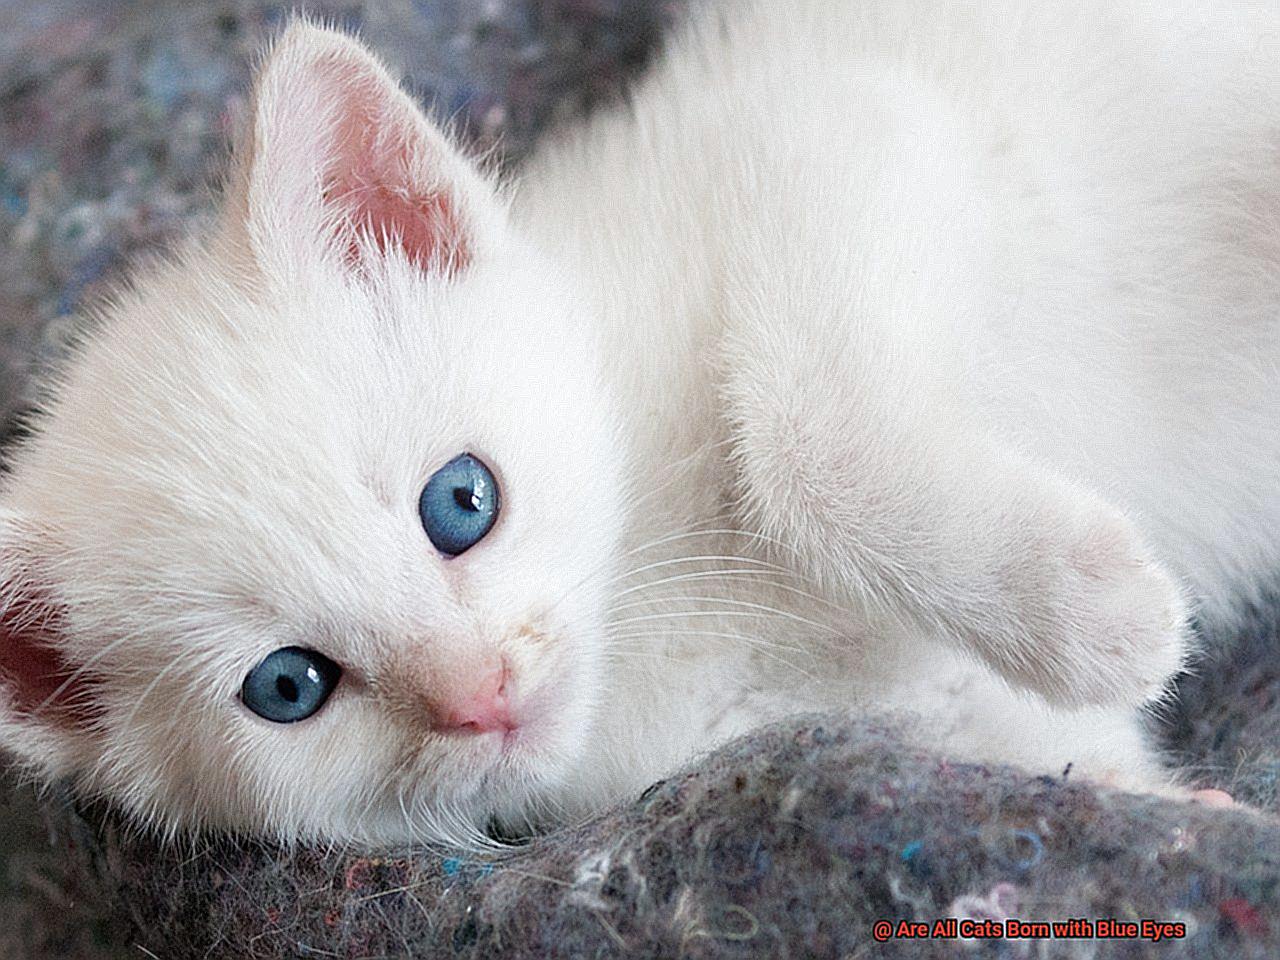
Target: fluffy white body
<point>879,355</point>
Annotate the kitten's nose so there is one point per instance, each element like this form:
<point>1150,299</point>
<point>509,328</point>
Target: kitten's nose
<point>481,707</point>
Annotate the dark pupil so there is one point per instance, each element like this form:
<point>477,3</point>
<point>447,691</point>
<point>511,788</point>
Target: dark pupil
<point>466,498</point>
<point>290,684</point>
<point>286,687</point>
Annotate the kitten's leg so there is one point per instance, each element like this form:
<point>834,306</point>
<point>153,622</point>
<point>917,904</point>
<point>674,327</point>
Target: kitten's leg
<point>969,714</point>
<point>863,449</point>
<point>972,715</point>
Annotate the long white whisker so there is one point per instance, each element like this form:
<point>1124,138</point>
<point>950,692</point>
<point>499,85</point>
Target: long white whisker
<point>717,531</point>
<point>734,576</point>
<point>756,610</point>
<point>80,670</point>
<point>762,647</point>
<point>128,720</point>
<point>750,575</point>
<point>701,558</point>
<point>628,641</point>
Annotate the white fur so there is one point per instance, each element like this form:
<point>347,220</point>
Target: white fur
<point>892,354</point>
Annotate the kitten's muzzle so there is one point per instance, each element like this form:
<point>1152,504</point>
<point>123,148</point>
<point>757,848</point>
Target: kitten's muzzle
<point>481,706</point>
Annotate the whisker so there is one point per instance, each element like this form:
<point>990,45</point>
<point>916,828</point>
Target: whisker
<point>633,501</point>
<point>628,656</point>
<point>734,576</point>
<point>662,634</point>
<point>755,610</point>
<point>702,558</point>
<point>728,573</point>
<point>762,647</point>
<point>631,641</point>
<point>617,578</point>
<point>376,791</point>
<point>716,531</point>
<point>83,668</point>
<point>150,688</point>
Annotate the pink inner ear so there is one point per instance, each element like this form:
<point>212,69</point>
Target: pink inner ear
<point>375,179</point>
<point>425,227</point>
<point>41,682</point>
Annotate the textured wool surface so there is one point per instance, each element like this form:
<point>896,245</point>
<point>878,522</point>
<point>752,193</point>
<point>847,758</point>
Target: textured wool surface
<point>113,117</point>
<point>792,842</point>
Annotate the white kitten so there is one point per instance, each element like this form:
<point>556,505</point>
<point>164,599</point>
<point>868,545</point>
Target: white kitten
<point>889,354</point>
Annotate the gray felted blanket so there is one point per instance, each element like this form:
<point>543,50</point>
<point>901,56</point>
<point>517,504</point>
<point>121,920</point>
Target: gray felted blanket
<point>793,842</point>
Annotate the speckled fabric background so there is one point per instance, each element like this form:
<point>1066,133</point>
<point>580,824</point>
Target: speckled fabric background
<point>114,116</point>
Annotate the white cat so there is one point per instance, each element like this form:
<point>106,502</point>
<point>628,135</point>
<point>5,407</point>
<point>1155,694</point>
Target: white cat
<point>881,354</point>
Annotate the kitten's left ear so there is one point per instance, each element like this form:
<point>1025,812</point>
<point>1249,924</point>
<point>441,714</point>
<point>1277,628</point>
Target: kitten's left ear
<point>339,162</point>
<point>47,707</point>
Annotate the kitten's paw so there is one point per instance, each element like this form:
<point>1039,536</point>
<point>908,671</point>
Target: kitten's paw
<point>1112,626</point>
<point>1160,786</point>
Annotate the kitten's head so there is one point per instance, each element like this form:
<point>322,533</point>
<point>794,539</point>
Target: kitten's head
<point>312,538</point>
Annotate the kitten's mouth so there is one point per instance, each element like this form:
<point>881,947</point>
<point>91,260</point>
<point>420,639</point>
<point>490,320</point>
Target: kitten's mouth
<point>534,734</point>
<point>523,735</point>
<point>520,737</point>
<point>543,734</point>
<point>512,739</point>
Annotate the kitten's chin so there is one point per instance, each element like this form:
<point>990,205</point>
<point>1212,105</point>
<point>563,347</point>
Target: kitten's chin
<point>500,784</point>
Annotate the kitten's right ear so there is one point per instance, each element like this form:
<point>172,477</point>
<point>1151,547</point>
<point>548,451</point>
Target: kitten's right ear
<point>339,164</point>
<point>47,707</point>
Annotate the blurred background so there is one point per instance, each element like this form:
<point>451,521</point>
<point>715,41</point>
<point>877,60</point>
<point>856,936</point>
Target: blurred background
<point>114,124</point>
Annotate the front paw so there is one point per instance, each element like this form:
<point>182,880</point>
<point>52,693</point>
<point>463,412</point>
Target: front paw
<point>1109,625</point>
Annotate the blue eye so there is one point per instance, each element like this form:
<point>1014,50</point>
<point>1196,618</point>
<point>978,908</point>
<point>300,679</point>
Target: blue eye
<point>290,684</point>
<point>459,505</point>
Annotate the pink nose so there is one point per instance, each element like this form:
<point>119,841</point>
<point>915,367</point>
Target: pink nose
<point>483,708</point>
